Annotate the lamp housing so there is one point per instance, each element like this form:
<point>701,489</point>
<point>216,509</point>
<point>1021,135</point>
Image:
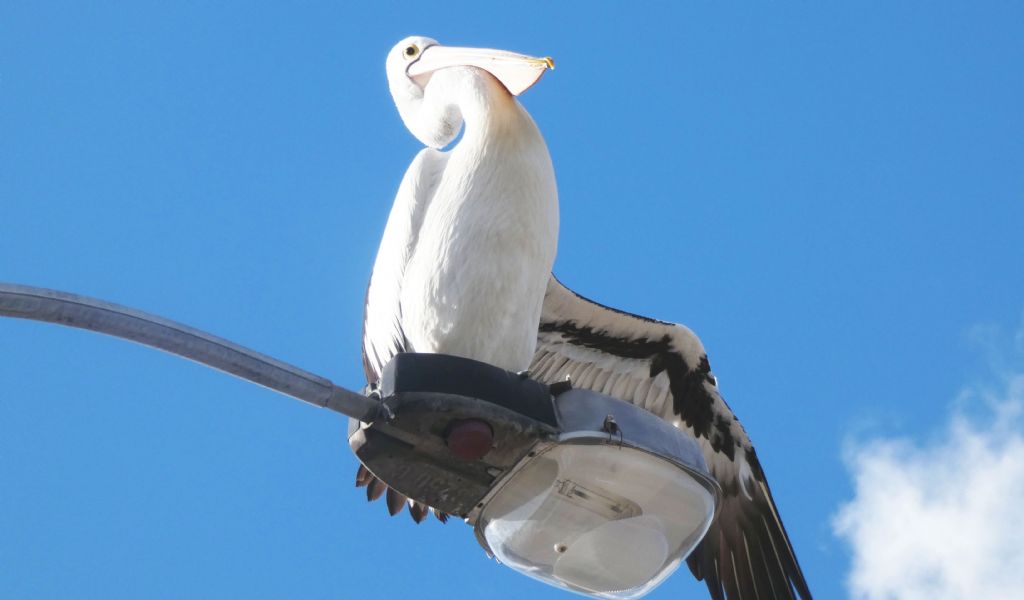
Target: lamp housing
<point>578,489</point>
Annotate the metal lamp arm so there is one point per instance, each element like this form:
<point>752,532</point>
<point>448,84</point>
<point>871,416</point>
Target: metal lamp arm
<point>72,310</point>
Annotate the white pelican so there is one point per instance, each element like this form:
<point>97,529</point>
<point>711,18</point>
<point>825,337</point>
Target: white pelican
<point>464,268</point>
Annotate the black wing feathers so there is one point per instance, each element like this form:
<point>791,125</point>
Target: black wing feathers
<point>746,554</point>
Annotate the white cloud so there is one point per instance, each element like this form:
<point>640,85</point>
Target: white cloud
<point>942,519</point>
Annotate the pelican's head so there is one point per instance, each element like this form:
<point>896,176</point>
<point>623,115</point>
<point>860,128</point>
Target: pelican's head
<point>431,112</point>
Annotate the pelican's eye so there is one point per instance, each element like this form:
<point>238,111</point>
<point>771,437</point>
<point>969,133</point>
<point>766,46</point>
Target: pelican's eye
<point>411,51</point>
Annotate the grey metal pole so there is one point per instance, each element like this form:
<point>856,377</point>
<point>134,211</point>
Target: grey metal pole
<point>72,310</point>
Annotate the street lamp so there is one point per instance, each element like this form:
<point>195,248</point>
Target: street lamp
<point>577,489</point>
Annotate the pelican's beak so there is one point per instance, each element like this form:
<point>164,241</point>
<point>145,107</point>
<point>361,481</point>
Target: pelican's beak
<point>515,71</point>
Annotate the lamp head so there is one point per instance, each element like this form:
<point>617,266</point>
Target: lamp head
<point>550,488</point>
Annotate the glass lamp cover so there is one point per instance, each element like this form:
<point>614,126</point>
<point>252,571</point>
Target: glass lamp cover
<point>602,520</point>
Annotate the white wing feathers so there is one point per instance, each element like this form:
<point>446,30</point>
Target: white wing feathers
<point>609,351</point>
<point>382,320</point>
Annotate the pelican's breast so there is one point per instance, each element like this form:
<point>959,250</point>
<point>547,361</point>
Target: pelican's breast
<point>477,276</point>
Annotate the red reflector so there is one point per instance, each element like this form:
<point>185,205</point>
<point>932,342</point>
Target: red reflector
<point>469,439</point>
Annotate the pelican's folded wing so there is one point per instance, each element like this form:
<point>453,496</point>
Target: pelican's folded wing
<point>382,316</point>
<point>662,368</point>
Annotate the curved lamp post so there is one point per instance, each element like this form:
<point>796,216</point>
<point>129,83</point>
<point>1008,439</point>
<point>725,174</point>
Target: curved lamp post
<point>574,488</point>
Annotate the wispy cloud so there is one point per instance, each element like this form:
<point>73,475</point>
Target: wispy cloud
<point>943,518</point>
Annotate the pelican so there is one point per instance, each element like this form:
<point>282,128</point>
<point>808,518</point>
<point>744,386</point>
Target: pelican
<point>464,268</point>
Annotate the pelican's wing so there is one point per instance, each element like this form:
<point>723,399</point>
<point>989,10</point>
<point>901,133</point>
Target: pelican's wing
<point>382,318</point>
<point>662,367</point>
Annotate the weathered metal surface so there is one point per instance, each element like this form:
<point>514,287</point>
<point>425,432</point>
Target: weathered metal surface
<point>410,455</point>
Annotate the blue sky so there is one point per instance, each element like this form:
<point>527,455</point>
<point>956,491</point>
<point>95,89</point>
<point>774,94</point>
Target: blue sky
<point>831,197</point>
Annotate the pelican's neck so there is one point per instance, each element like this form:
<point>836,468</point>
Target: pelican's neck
<point>471,97</point>
<point>486,106</point>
